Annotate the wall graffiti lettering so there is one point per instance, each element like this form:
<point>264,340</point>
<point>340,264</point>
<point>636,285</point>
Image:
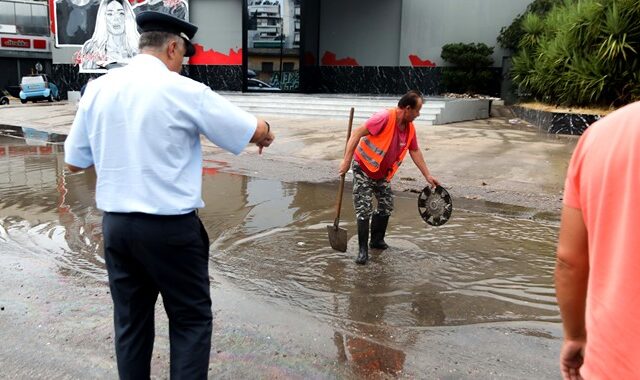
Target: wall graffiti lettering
<point>290,80</point>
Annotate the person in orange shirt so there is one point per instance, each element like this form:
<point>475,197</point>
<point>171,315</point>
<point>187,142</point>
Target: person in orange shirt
<point>598,256</point>
<point>380,146</point>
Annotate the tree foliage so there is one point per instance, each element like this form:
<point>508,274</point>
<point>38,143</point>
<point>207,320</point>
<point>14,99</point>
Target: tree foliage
<point>582,52</point>
<point>510,36</point>
<point>470,73</point>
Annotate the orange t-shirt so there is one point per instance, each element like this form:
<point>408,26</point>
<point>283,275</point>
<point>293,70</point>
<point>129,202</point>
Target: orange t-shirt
<point>603,181</point>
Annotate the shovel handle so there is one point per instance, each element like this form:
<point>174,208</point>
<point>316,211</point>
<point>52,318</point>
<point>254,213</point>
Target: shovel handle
<point>341,188</point>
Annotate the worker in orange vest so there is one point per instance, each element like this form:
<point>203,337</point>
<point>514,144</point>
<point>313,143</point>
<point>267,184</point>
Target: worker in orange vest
<point>380,146</point>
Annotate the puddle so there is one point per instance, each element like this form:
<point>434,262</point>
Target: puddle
<point>269,238</point>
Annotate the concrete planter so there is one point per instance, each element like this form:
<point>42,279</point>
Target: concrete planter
<point>556,122</point>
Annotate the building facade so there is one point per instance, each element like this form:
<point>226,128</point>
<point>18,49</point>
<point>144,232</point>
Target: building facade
<point>324,46</point>
<point>25,46</point>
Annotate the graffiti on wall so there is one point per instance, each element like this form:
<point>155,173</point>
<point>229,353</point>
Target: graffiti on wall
<point>212,57</point>
<point>419,62</point>
<point>290,80</point>
<point>106,30</point>
<point>329,59</point>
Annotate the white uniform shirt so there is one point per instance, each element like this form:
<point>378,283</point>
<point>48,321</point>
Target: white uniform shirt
<point>140,126</point>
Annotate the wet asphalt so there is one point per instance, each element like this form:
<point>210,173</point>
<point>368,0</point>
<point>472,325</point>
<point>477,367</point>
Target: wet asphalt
<point>472,300</point>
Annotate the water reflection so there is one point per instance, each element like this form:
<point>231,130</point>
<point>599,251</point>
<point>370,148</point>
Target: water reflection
<point>270,238</point>
<point>47,212</point>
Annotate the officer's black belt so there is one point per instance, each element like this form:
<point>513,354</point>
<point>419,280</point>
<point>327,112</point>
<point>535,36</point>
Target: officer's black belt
<point>152,216</point>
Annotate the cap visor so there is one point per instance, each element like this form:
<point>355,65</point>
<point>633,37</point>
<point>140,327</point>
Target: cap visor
<point>191,50</point>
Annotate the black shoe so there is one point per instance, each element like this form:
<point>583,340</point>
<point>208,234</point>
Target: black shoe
<point>378,229</point>
<point>363,237</point>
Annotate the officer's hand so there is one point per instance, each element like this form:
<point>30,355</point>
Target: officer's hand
<point>265,142</point>
<point>433,181</point>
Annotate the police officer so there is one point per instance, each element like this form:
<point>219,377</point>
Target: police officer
<point>140,126</point>
<point>380,146</point>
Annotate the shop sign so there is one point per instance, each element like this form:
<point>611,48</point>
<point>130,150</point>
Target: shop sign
<point>24,43</point>
<point>15,43</point>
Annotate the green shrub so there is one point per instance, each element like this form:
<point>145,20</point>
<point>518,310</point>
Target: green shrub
<point>510,36</point>
<point>581,53</point>
<point>470,72</point>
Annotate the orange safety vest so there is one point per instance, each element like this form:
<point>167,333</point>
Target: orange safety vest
<point>371,149</point>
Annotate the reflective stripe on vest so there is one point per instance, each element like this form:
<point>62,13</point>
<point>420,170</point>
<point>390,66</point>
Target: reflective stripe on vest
<point>364,156</point>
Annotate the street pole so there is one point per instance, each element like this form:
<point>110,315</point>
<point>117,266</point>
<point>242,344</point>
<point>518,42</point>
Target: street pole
<point>281,55</point>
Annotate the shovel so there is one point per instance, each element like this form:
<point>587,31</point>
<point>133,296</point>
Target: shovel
<point>337,235</point>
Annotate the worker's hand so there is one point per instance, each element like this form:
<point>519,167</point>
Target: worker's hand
<point>571,359</point>
<point>432,181</point>
<point>265,142</point>
<point>344,167</point>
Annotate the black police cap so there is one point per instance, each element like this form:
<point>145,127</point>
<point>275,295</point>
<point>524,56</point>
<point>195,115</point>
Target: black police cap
<point>152,21</point>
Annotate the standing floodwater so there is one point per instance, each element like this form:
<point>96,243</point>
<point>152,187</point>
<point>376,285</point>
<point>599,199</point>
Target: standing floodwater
<point>269,243</point>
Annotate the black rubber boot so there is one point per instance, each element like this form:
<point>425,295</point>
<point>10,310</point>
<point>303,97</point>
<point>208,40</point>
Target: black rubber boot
<point>378,229</point>
<point>363,238</point>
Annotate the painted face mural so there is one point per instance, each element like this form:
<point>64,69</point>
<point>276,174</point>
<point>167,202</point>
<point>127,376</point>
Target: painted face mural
<point>115,18</point>
<point>114,40</point>
<point>105,30</point>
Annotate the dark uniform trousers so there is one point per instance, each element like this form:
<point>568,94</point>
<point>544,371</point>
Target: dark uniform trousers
<point>150,254</point>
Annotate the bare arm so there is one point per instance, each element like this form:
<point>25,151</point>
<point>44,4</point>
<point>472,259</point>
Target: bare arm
<point>571,276</point>
<point>352,143</point>
<point>418,159</point>
<point>262,137</point>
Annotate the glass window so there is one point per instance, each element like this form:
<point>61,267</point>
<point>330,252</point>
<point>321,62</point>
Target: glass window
<point>267,67</point>
<point>32,79</point>
<point>23,18</point>
<point>40,19</point>
<point>7,14</point>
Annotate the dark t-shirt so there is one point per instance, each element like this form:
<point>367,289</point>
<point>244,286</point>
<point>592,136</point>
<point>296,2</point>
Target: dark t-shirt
<point>75,24</point>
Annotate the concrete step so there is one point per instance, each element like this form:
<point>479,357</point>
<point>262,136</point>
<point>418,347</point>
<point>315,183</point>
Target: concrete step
<point>322,101</point>
<point>359,110</point>
<point>328,114</point>
<point>325,106</point>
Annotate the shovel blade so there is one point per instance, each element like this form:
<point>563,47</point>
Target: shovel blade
<point>337,238</point>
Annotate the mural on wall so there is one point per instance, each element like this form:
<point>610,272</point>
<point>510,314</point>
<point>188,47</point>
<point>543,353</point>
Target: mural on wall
<point>106,30</point>
<point>75,20</point>
<point>329,59</point>
<point>419,62</point>
<point>114,39</point>
<point>177,8</point>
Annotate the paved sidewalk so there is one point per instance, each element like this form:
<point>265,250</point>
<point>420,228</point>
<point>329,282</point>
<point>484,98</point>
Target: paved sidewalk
<point>489,160</point>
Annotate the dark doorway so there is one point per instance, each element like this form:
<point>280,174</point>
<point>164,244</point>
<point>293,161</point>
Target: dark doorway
<point>310,47</point>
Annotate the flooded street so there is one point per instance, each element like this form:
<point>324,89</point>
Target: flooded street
<point>471,299</point>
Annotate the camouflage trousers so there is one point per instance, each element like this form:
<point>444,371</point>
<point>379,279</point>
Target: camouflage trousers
<point>364,189</point>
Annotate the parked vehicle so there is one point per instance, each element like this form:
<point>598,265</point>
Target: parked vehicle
<point>38,87</point>
<point>4,98</point>
<point>258,85</point>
